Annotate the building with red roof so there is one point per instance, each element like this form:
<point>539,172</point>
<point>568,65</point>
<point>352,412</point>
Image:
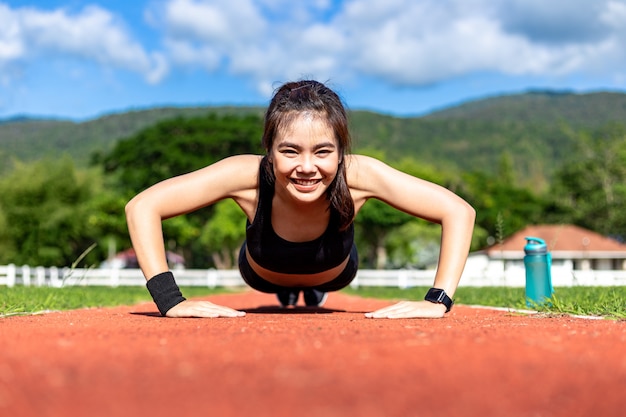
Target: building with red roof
<point>579,257</point>
<point>583,248</point>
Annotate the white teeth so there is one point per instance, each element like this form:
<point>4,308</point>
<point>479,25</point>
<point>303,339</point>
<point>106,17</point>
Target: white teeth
<point>305,182</point>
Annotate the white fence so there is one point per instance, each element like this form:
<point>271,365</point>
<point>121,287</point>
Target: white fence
<point>11,275</point>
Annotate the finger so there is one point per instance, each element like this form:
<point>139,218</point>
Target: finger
<point>399,313</point>
<point>232,313</point>
<point>218,311</point>
<point>205,311</point>
<point>409,309</point>
<point>215,310</point>
<point>390,310</point>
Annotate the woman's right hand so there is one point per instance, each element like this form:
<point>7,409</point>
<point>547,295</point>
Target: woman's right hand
<point>190,308</point>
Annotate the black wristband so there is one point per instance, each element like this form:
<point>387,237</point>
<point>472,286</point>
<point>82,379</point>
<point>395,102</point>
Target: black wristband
<point>164,291</point>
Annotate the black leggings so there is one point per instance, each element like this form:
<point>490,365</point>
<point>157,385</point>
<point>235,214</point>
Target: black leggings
<point>255,281</point>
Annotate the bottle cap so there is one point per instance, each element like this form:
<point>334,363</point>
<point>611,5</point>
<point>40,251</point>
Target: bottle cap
<point>535,246</point>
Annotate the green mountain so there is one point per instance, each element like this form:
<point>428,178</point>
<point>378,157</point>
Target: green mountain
<point>27,139</point>
<point>580,110</point>
<point>534,131</point>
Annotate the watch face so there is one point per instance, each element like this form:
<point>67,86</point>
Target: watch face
<point>435,294</point>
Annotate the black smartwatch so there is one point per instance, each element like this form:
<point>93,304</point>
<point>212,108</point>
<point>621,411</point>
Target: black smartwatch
<point>439,296</point>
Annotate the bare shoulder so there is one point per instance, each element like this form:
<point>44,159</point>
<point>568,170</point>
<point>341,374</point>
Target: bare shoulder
<point>234,173</point>
<point>364,173</point>
<point>359,162</point>
<point>243,163</point>
<point>371,178</point>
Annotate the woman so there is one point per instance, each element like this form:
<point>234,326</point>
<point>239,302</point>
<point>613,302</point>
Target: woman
<point>300,200</point>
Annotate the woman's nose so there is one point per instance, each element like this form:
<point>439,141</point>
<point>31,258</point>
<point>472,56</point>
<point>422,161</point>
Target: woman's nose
<point>306,163</point>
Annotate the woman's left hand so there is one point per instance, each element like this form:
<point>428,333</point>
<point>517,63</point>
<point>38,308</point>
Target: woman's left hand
<point>409,309</point>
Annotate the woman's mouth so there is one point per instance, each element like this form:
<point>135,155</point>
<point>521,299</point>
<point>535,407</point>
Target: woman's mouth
<point>305,183</point>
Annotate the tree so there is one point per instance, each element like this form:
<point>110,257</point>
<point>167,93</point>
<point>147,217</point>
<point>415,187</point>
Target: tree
<point>590,189</point>
<point>378,224</point>
<point>224,234</point>
<point>175,147</point>
<point>178,146</point>
<point>375,221</point>
<point>501,208</point>
<point>45,213</point>
<point>415,244</point>
<point>106,220</point>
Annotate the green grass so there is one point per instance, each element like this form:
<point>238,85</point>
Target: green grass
<point>608,302</point>
<point>27,300</point>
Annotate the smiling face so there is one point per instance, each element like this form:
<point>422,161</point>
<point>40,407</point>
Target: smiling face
<point>305,156</point>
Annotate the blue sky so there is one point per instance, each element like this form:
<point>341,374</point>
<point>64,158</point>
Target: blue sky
<point>82,59</point>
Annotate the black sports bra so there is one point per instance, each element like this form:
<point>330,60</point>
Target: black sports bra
<point>272,252</point>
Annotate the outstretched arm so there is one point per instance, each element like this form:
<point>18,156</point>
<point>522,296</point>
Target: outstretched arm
<point>374,179</point>
<point>233,177</point>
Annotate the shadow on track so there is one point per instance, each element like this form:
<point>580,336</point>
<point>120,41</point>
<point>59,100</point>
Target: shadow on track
<point>262,310</point>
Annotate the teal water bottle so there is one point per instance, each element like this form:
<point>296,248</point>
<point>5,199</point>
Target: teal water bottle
<point>538,263</point>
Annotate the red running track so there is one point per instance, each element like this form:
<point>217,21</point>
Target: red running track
<point>306,362</point>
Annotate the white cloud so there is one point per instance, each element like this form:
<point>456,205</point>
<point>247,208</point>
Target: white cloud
<point>93,34</point>
<point>267,40</point>
<point>223,22</point>
<point>400,42</point>
<point>403,42</point>
<point>11,45</point>
<point>558,22</point>
<point>614,14</point>
<point>424,42</point>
